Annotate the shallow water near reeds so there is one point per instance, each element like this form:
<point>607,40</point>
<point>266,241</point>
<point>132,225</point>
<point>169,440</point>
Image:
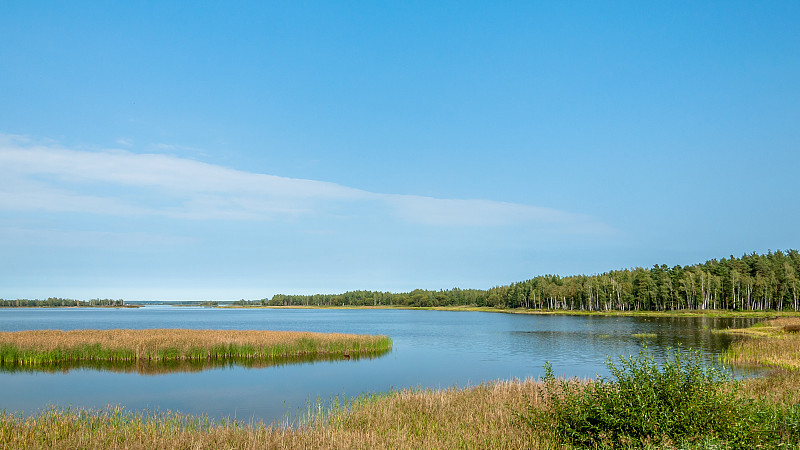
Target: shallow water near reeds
<point>436,349</point>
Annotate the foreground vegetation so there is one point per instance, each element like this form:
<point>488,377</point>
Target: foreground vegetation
<point>682,404</point>
<point>750,283</point>
<point>479,417</point>
<point>47,347</point>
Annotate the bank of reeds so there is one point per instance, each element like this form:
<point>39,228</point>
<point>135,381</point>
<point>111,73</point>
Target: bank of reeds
<point>477,417</point>
<point>47,347</point>
<point>773,343</point>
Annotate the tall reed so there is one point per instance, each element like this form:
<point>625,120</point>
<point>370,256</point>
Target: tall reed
<point>476,417</point>
<point>774,343</point>
<point>47,347</point>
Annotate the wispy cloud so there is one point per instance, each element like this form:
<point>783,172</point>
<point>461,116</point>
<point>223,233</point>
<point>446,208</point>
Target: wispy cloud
<point>436,211</point>
<point>47,177</point>
<point>90,239</point>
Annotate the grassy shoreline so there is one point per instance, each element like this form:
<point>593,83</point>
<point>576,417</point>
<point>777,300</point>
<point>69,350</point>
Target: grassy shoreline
<point>477,417</point>
<point>47,347</point>
<point>775,343</point>
<point>484,416</point>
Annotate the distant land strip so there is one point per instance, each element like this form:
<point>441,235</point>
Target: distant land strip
<point>754,282</point>
<point>42,347</point>
<point>57,302</point>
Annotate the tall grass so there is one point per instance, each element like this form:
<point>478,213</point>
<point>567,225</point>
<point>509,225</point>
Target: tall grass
<point>774,343</point>
<point>470,418</point>
<point>48,347</point>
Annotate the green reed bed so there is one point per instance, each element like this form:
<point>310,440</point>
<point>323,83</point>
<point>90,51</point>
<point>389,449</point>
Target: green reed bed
<point>48,347</point>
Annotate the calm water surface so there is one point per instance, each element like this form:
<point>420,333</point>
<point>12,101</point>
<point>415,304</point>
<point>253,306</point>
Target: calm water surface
<point>435,349</point>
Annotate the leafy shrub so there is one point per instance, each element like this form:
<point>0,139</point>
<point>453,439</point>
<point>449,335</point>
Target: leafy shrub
<point>683,403</point>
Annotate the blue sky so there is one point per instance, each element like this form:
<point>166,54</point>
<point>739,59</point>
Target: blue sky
<point>225,150</point>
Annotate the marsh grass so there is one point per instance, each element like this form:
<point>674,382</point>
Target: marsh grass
<point>51,347</point>
<point>476,417</point>
<point>773,343</point>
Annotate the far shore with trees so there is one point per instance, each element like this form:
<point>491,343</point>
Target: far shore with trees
<point>751,283</point>
<point>55,302</point>
<point>754,282</point>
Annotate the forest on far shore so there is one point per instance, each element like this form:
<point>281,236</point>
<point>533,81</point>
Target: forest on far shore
<point>752,282</point>
<point>55,302</point>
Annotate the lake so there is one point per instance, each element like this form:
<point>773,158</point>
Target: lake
<point>436,349</point>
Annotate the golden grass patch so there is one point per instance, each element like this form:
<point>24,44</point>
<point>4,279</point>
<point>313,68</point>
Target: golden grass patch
<point>773,343</point>
<point>476,417</point>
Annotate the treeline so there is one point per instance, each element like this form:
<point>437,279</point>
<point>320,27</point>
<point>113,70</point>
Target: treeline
<point>54,302</point>
<point>752,282</point>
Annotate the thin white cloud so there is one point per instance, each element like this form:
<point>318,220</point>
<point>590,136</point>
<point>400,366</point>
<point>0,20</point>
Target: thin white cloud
<point>91,239</point>
<point>435,211</point>
<point>47,177</point>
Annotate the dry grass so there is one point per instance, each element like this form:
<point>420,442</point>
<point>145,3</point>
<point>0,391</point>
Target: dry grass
<point>780,386</point>
<point>53,346</point>
<point>478,417</point>
<point>768,344</point>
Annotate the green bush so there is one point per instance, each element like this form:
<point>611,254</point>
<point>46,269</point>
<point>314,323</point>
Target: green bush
<point>681,403</point>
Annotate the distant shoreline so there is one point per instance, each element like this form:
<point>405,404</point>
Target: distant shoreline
<point>718,313</point>
<point>70,307</point>
<point>548,312</point>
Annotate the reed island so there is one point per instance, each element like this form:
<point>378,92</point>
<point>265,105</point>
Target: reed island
<point>47,347</point>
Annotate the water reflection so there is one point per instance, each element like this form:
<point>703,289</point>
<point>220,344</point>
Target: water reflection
<point>581,346</point>
<point>145,367</point>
